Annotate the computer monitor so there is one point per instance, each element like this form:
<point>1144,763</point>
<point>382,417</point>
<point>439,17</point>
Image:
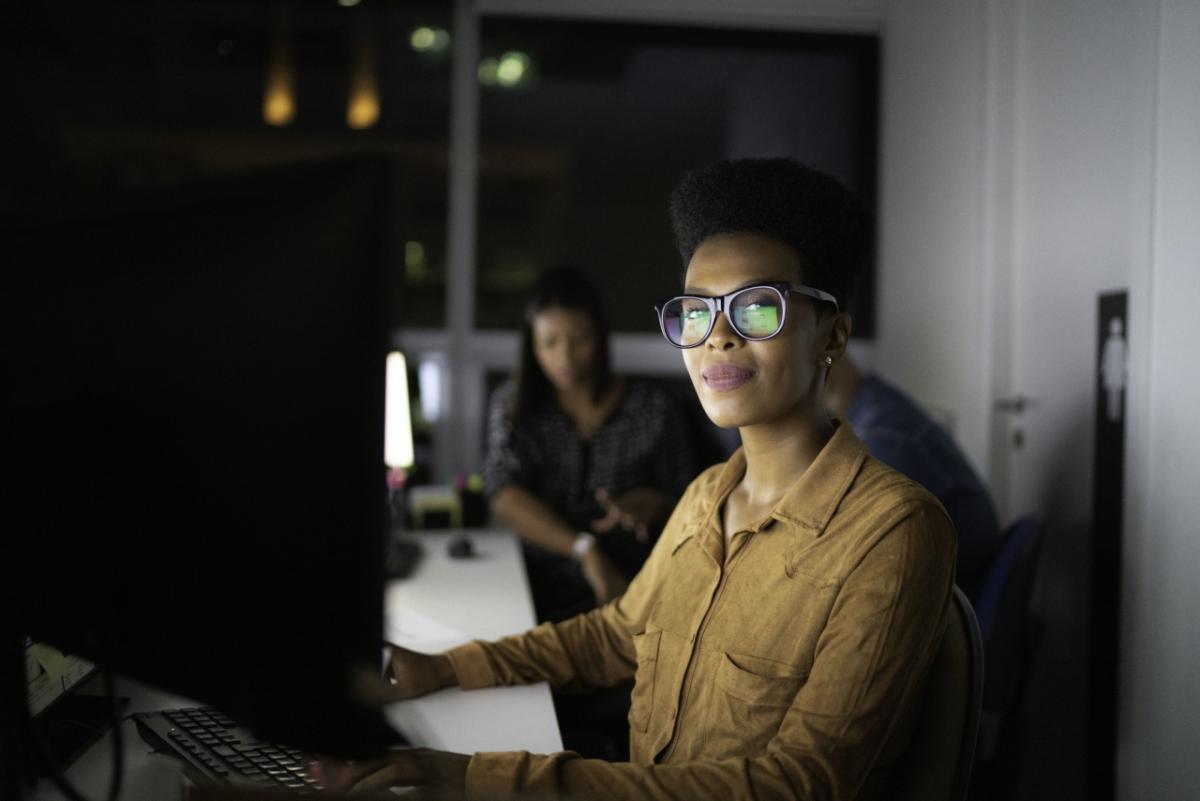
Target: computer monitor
<point>193,438</point>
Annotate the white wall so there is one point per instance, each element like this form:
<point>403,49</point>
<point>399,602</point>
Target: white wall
<point>1048,152</point>
<point>1084,112</point>
<point>1160,730</point>
<point>931,290</point>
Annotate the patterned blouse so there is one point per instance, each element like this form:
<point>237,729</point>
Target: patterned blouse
<point>645,441</point>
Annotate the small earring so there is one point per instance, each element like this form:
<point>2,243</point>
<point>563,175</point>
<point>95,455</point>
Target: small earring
<point>828,361</point>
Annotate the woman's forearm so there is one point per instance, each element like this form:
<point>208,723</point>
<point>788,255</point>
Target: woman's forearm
<point>533,520</point>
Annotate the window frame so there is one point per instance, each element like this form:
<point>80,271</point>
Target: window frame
<point>463,354</point>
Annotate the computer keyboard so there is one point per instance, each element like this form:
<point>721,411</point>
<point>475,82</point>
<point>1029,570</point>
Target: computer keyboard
<point>215,750</point>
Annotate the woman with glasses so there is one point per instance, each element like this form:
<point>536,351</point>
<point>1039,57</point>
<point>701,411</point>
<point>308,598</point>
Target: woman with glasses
<point>780,633</point>
<point>583,464</point>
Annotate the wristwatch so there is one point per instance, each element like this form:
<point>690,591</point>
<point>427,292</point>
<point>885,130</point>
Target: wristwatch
<point>584,542</point>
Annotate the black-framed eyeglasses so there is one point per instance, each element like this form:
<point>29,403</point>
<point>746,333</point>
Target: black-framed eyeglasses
<point>755,312</point>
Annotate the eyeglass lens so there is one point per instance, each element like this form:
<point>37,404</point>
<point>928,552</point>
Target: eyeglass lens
<point>755,313</point>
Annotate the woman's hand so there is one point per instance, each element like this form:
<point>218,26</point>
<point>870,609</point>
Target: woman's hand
<point>640,510</point>
<point>413,674</point>
<point>435,774</point>
<point>602,575</point>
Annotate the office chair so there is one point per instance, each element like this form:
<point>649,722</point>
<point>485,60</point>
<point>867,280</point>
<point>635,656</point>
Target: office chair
<point>937,764</point>
<point>1004,597</point>
<point>1010,639</point>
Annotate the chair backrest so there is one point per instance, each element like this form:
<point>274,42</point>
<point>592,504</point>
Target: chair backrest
<point>1005,620</point>
<point>1006,588</point>
<point>1010,633</point>
<point>937,765</point>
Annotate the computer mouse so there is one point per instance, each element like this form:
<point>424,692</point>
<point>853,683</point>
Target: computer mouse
<point>461,547</point>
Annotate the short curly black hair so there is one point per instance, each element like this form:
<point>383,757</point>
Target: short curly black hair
<point>782,199</point>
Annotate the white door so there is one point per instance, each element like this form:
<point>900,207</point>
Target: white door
<point>1071,216</point>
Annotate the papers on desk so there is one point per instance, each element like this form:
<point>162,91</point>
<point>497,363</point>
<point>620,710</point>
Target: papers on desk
<point>467,721</point>
<point>447,602</point>
<point>419,632</point>
<point>495,719</point>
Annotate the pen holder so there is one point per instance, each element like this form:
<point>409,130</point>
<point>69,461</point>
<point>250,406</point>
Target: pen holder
<point>472,501</point>
<point>434,507</point>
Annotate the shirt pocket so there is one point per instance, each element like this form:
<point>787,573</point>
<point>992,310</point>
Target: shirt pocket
<point>641,703</point>
<point>752,696</point>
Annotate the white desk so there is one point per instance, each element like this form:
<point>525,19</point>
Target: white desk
<point>445,602</point>
<point>448,602</point>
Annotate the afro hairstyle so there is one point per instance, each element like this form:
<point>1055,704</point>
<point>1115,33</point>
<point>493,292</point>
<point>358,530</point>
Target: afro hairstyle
<point>784,200</point>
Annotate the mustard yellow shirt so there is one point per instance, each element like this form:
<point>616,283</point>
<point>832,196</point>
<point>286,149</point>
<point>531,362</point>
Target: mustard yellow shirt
<point>787,666</point>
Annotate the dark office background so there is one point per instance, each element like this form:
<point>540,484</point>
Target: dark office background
<point>576,159</point>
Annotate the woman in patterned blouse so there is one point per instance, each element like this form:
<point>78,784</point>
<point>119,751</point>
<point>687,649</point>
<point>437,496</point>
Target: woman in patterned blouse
<point>573,449</point>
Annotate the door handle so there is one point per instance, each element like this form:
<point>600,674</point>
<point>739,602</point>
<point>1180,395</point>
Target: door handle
<point>1014,405</point>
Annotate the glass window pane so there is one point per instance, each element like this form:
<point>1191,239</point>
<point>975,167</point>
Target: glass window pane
<point>586,127</point>
<point>125,94</point>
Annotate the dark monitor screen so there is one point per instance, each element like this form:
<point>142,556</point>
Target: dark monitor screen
<point>193,430</point>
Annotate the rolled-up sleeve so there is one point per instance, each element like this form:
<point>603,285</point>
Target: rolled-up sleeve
<point>594,649</point>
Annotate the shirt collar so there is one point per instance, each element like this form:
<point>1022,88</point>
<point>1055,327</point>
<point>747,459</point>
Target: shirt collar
<point>815,497</point>
<point>811,502</point>
<point>704,521</point>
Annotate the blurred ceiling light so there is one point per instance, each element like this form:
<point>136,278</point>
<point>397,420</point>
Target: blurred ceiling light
<point>512,69</point>
<point>279,105</point>
<point>279,95</point>
<point>362,106</point>
<point>429,40</point>
<point>363,109</point>
<point>348,3</point>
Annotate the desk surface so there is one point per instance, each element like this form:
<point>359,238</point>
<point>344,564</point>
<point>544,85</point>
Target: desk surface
<point>448,602</point>
<point>444,603</point>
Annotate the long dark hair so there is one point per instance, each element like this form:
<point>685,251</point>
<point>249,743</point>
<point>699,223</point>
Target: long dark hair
<point>564,288</point>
